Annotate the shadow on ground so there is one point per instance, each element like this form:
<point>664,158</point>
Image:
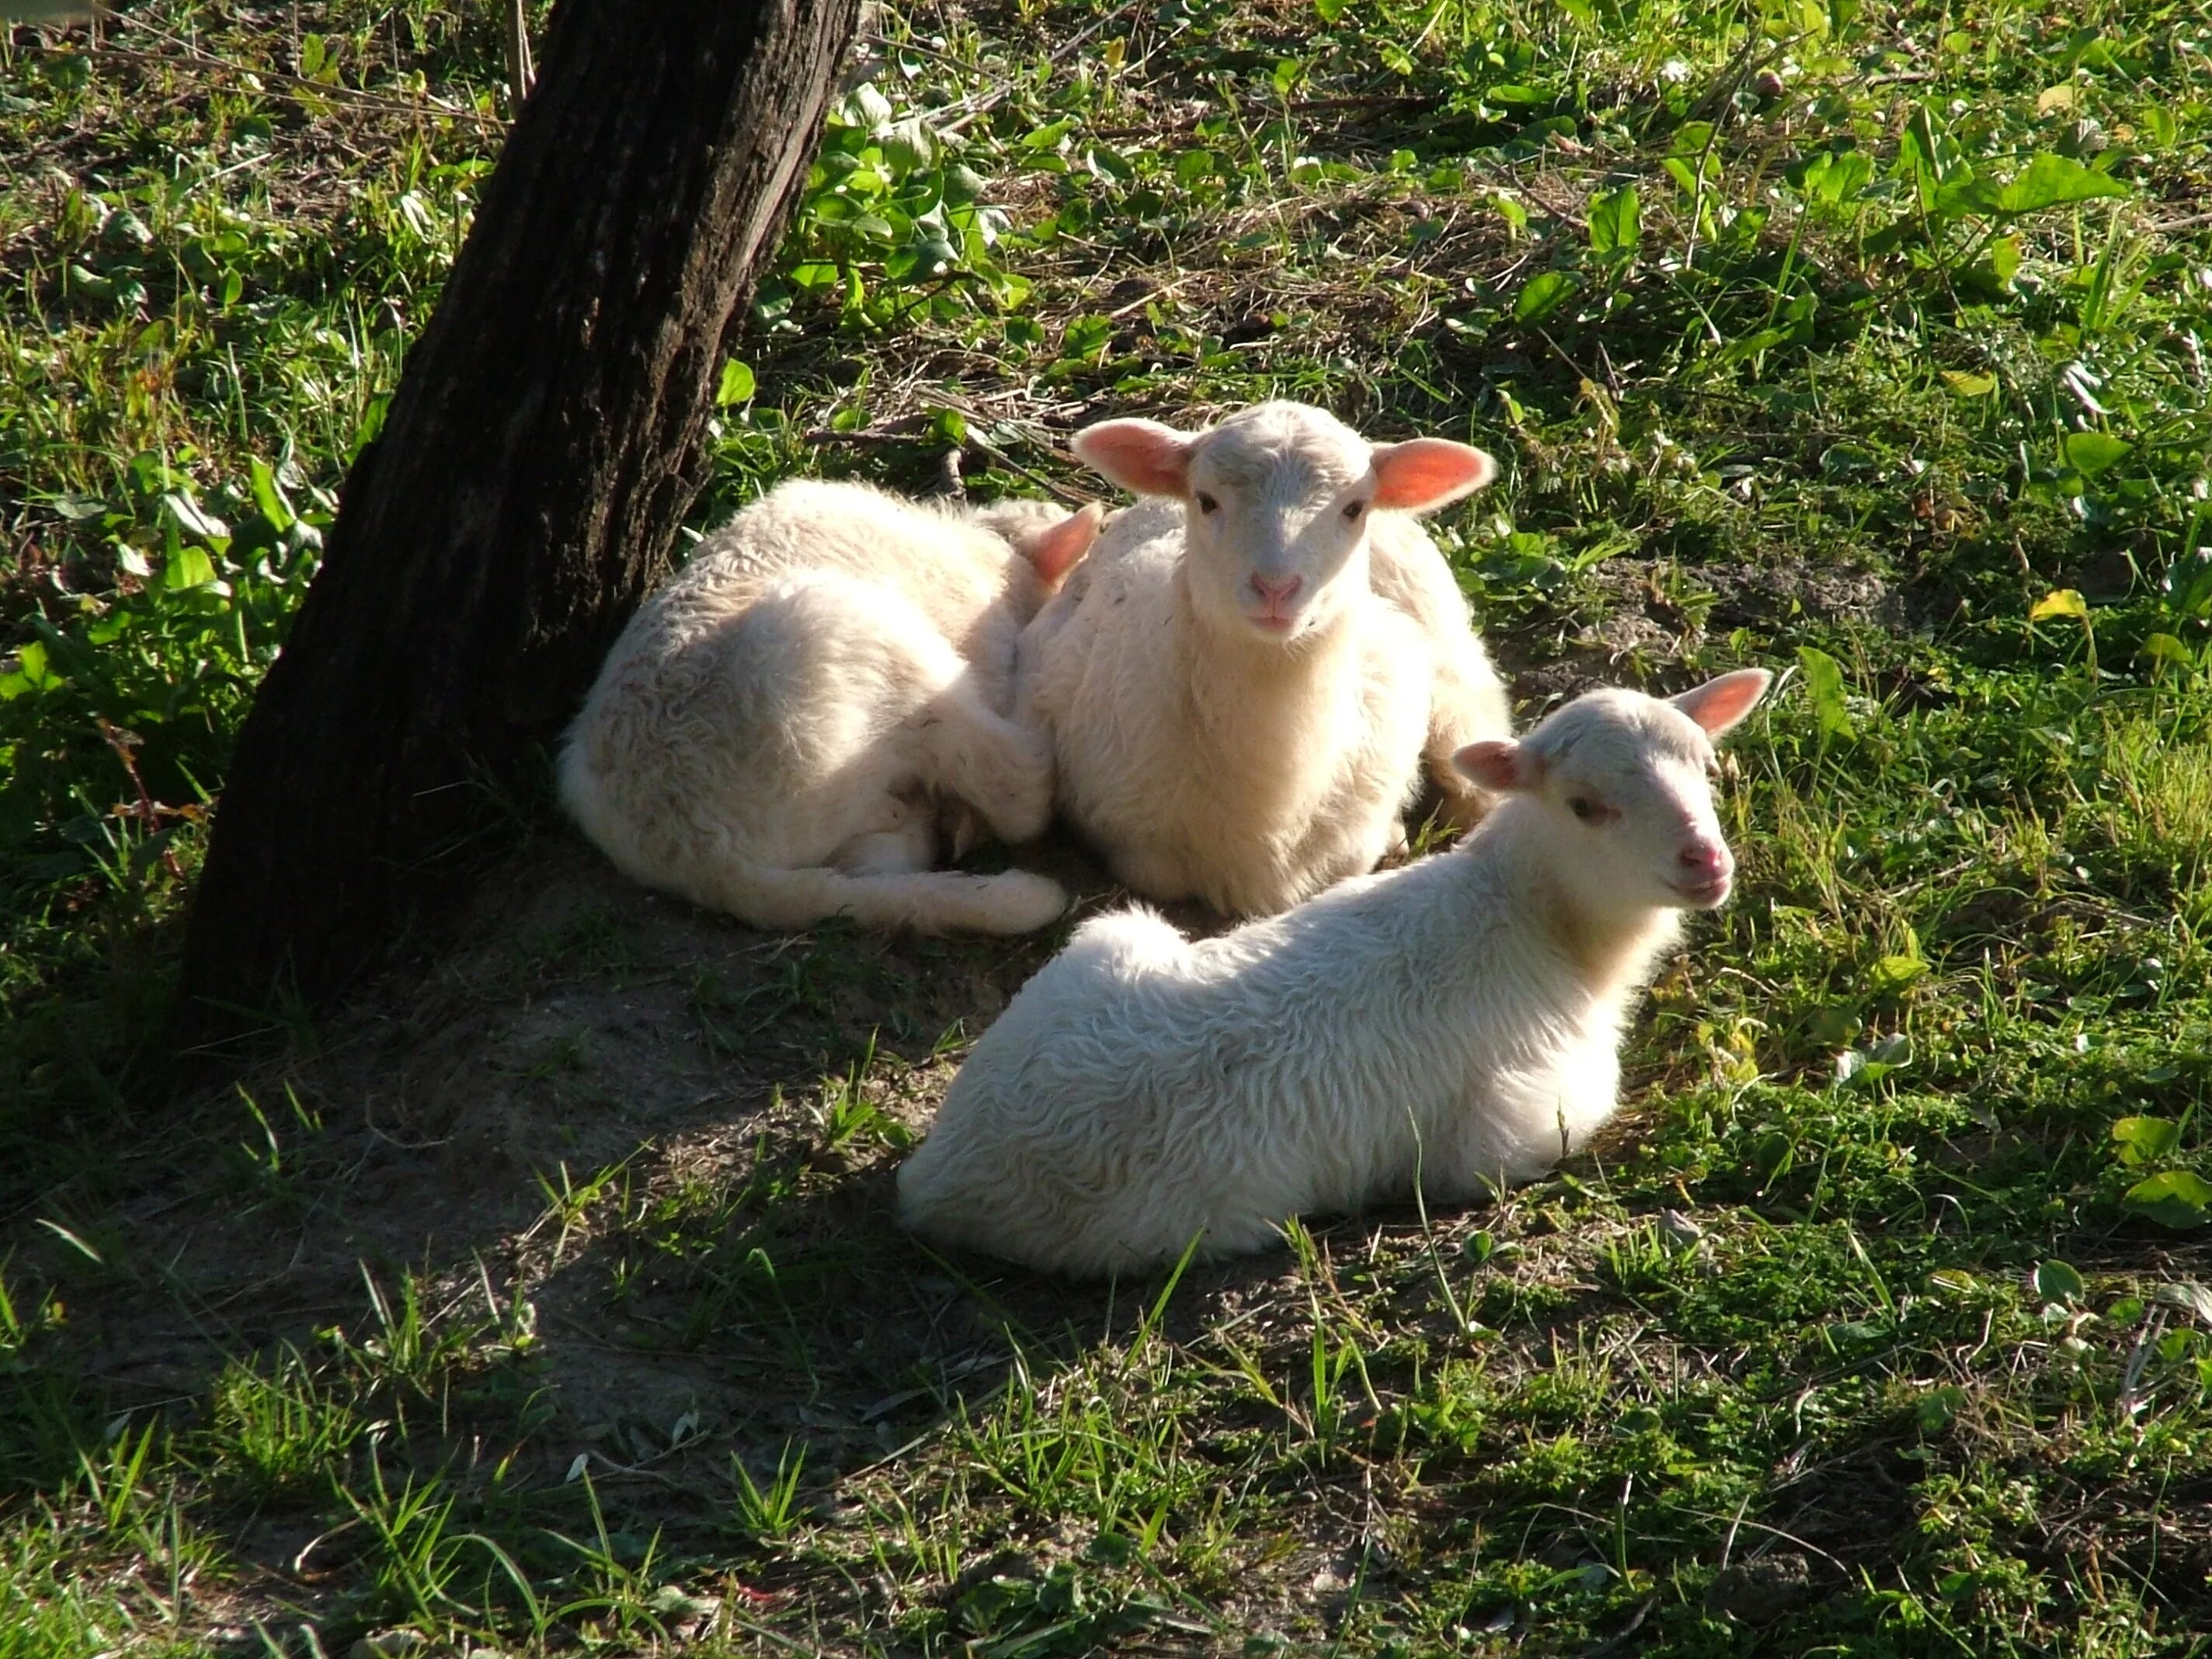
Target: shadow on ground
<point>608,1188</point>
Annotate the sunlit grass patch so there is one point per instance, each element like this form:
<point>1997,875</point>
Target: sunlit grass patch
<point>278,1430</point>
<point>2157,805</point>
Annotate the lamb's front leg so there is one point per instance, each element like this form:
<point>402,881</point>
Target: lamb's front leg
<point>1467,704</point>
<point>1539,1106</point>
<point>1353,844</point>
<point>1000,767</point>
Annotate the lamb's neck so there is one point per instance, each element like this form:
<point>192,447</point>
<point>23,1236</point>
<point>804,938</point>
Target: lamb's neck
<point>1252,695</point>
<point>1612,951</point>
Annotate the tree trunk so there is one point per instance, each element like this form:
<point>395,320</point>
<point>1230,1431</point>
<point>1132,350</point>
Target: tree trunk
<point>537,459</point>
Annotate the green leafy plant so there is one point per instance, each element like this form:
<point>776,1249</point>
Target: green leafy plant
<point>2173,1198</point>
<point>891,227</point>
<point>767,1511</point>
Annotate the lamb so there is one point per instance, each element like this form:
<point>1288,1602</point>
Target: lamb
<point>1456,1021</point>
<point>783,728</point>
<point>1238,705</point>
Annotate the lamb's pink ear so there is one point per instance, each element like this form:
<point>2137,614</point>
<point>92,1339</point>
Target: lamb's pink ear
<point>1422,473</point>
<point>1720,704</point>
<point>1053,552</point>
<point>1501,764</point>
<point>1140,456</point>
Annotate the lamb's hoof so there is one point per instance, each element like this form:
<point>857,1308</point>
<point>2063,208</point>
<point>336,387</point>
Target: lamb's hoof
<point>962,826</point>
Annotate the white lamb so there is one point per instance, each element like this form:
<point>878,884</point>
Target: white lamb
<point>1458,1018</point>
<point>1238,704</point>
<point>780,730</point>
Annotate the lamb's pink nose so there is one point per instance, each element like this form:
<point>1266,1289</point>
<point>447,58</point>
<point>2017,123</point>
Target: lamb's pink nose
<point>1278,592</point>
<point>1708,860</point>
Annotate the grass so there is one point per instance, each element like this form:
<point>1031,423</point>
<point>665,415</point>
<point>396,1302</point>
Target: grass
<point>1863,340</point>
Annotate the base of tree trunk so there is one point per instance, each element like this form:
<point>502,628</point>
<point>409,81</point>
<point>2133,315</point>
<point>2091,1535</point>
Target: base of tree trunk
<point>526,489</point>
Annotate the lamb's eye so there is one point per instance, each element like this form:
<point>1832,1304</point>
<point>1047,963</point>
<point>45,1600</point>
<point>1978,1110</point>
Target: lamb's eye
<point>1207,503</point>
<point>1353,509</point>
<point>1582,807</point>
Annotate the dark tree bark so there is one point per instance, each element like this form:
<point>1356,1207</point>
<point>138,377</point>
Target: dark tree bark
<point>540,454</point>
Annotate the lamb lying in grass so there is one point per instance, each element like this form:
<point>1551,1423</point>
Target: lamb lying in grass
<point>1457,1019</point>
<point>1238,705</point>
<point>780,730</point>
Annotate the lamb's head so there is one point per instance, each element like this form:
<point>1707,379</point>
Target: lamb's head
<point>1276,502</point>
<point>1625,783</point>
